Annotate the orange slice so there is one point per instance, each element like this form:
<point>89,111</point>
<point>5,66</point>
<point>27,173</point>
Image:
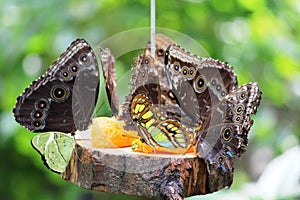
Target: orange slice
<point>139,146</point>
<point>107,132</point>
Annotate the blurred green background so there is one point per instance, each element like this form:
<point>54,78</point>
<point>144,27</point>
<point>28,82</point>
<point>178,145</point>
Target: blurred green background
<point>260,38</point>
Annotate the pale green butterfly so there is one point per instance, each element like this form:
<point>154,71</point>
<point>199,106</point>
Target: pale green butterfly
<point>56,148</point>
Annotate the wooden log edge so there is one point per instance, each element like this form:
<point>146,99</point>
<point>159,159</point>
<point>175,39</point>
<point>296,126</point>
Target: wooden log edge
<point>158,176</point>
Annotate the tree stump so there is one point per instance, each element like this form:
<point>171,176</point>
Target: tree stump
<point>157,176</point>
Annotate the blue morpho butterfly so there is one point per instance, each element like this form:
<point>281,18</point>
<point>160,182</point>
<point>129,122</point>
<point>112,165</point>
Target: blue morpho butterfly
<point>64,98</point>
<point>207,91</point>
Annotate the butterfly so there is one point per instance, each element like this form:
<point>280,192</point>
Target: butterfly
<point>207,91</point>
<point>150,101</point>
<point>64,98</point>
<point>198,83</point>
<point>108,68</point>
<point>149,79</point>
<point>196,100</point>
<point>55,148</point>
<point>156,128</point>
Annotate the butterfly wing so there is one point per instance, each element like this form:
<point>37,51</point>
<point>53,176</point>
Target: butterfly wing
<point>156,128</point>
<point>64,98</point>
<point>161,44</point>
<point>144,106</point>
<point>157,123</point>
<point>108,67</point>
<point>149,79</point>
<point>224,134</point>
<point>198,83</point>
<point>143,82</point>
<point>55,148</point>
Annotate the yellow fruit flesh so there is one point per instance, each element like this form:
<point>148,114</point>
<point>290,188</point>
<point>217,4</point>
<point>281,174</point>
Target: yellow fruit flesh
<point>107,132</point>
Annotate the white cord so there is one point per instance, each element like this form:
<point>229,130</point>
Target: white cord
<point>152,30</point>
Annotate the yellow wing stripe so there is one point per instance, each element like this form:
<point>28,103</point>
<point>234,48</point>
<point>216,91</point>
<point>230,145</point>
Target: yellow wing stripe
<point>147,115</point>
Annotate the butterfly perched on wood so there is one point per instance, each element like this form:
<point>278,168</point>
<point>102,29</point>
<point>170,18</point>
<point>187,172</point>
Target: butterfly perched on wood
<point>148,70</point>
<point>207,91</point>
<point>64,98</point>
<point>55,148</point>
<point>157,129</point>
<point>150,107</point>
<point>199,98</point>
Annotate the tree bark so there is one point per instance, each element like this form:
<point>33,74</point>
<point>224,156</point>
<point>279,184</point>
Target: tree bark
<point>157,176</point>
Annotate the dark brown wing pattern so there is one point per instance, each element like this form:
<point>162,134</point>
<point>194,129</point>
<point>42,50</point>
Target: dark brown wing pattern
<point>64,98</point>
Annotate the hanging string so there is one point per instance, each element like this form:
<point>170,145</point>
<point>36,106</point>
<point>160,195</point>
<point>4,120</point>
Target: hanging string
<point>152,29</point>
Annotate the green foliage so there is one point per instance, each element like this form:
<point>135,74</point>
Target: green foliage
<point>260,38</point>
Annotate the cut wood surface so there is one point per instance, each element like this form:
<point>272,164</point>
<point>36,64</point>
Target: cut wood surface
<point>158,176</point>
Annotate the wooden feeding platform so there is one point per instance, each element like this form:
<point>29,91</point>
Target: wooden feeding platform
<point>157,176</point>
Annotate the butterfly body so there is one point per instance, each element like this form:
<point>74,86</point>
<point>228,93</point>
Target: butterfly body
<point>64,98</point>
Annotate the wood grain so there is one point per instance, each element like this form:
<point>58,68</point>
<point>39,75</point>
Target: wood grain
<point>160,176</point>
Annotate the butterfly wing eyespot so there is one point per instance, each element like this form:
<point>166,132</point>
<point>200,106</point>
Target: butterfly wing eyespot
<point>176,67</point>
<point>146,61</point>
<point>240,109</point>
<point>160,52</point>
<point>237,118</point>
<point>41,104</point>
<point>219,87</point>
<point>74,68</point>
<point>142,76</point>
<point>84,59</point>
<point>38,124</point>
<point>191,72</point>
<point>200,84</point>
<point>242,96</point>
<point>213,82</point>
<point>184,71</point>
<point>227,134</point>
<point>59,93</point>
<point>223,94</point>
<point>65,74</point>
<point>37,114</point>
